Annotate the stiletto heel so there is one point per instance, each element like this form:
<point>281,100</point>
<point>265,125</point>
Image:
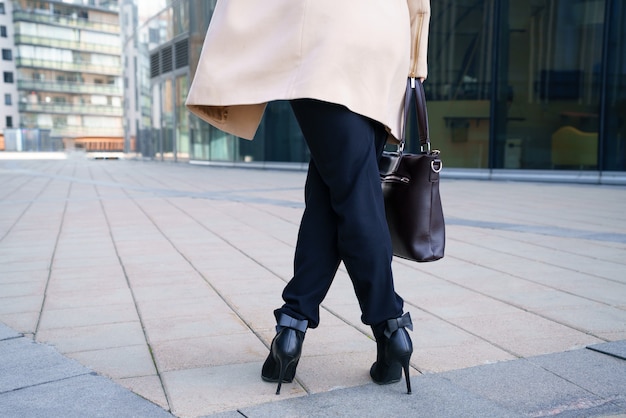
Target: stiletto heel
<point>280,365</point>
<point>405,367</point>
<point>281,376</point>
<point>282,372</point>
<point>394,349</point>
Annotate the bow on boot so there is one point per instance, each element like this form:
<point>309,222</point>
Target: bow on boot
<point>394,349</point>
<point>280,365</point>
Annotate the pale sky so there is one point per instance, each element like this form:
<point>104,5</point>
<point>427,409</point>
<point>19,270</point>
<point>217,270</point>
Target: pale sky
<point>148,8</point>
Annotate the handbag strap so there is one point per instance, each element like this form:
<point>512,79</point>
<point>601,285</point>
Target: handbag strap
<point>415,88</point>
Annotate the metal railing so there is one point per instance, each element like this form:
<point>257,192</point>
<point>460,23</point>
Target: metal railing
<point>84,131</point>
<point>84,67</point>
<point>71,109</point>
<point>65,44</point>
<point>69,87</point>
<point>75,22</point>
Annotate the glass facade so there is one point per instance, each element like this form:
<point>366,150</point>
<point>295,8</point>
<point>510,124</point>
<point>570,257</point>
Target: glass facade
<point>459,84</point>
<point>182,121</point>
<point>613,97</point>
<point>528,85</point>
<point>548,90</point>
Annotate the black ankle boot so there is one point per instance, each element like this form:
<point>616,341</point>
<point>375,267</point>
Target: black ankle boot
<point>280,365</point>
<point>394,349</point>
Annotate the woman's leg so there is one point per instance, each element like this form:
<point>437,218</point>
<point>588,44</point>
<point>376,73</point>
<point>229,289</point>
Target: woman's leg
<point>317,257</point>
<point>344,217</point>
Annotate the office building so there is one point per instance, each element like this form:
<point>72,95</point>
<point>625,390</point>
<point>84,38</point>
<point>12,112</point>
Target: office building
<point>67,73</point>
<point>533,88</point>
<point>9,115</point>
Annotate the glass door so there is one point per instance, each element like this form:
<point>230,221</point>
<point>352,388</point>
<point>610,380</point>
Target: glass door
<point>549,84</point>
<point>458,88</point>
<point>614,149</point>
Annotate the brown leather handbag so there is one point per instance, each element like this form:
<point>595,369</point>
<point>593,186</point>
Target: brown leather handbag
<point>410,185</point>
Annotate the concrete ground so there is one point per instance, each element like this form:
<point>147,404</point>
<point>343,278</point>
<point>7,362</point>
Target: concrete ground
<point>125,278</point>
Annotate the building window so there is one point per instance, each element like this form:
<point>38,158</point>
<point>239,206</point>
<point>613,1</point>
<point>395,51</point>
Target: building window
<point>2,8</point>
<point>3,31</point>
<point>7,99</point>
<point>7,55</point>
<point>8,77</point>
<point>9,121</point>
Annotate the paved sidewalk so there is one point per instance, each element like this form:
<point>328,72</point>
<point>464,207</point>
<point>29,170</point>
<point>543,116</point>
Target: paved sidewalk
<point>149,288</point>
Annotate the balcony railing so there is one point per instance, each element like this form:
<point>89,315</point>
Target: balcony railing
<point>63,44</point>
<point>71,109</point>
<point>83,131</point>
<point>75,22</point>
<point>66,87</point>
<point>68,66</point>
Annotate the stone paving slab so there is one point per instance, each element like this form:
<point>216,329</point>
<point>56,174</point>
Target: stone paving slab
<point>37,381</point>
<point>81,396</point>
<point>615,348</point>
<point>26,363</point>
<point>600,374</point>
<point>432,397</point>
<point>7,333</point>
<point>579,383</point>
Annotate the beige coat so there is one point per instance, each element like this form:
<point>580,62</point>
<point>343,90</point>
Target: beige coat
<point>356,53</point>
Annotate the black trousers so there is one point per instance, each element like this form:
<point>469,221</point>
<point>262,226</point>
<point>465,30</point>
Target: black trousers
<point>344,217</point>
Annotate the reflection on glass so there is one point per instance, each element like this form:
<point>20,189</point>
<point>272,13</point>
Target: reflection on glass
<point>554,51</point>
<point>614,150</point>
<point>513,84</point>
<point>458,85</point>
<point>182,120</point>
<point>167,123</point>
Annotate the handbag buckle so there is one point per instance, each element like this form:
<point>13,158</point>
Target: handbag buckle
<point>436,165</point>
